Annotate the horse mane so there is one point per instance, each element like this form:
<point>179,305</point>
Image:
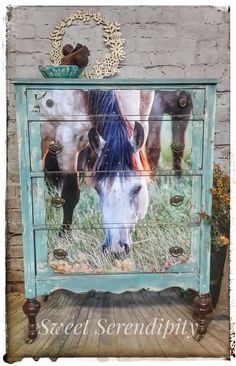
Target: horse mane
<point>118,154</point>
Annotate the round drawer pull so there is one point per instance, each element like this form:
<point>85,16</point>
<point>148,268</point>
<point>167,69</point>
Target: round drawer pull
<point>49,103</point>
<point>58,201</point>
<point>176,200</point>
<point>59,253</point>
<point>176,251</point>
<point>183,101</point>
<point>177,148</point>
<point>55,147</point>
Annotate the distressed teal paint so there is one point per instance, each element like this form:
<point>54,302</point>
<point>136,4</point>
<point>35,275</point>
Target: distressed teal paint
<point>26,202</point>
<point>39,211</point>
<point>35,146</point>
<point>41,280</point>
<point>192,265</point>
<point>209,129</point>
<point>41,252</point>
<point>197,144</point>
<point>117,283</point>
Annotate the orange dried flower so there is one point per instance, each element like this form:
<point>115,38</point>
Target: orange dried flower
<point>224,240</point>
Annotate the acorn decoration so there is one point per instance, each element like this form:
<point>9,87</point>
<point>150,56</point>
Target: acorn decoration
<point>75,56</point>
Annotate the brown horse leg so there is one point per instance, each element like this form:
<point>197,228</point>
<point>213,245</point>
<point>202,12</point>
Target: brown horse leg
<point>153,145</point>
<point>71,194</point>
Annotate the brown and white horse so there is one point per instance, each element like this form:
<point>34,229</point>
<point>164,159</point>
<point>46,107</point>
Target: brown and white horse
<point>104,132</point>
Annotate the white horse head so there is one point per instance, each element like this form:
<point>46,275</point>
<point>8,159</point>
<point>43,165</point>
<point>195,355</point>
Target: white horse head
<point>123,202</point>
<point>121,171</point>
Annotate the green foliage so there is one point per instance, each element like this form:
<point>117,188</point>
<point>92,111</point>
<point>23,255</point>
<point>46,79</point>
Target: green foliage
<point>220,218</point>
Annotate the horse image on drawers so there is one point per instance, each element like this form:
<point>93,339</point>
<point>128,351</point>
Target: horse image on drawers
<point>109,207</point>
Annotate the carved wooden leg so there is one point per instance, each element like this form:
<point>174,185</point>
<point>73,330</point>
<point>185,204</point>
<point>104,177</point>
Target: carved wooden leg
<point>31,308</point>
<point>203,307</point>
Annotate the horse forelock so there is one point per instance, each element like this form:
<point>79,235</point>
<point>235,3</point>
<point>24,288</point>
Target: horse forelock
<point>118,156</point>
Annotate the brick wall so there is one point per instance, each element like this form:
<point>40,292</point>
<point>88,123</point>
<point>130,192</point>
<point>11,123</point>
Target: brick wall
<point>161,42</point>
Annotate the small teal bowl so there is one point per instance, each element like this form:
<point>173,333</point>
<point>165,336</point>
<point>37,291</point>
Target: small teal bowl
<point>65,71</point>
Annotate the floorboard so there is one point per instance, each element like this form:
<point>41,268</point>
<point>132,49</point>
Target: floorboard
<point>130,316</point>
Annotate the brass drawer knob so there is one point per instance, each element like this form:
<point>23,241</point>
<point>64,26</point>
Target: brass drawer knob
<point>176,200</point>
<point>49,103</point>
<point>59,253</point>
<point>57,201</point>
<point>55,147</point>
<point>177,148</point>
<point>183,101</point>
<point>176,251</point>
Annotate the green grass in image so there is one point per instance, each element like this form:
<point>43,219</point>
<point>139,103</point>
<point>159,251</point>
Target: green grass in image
<point>163,227</point>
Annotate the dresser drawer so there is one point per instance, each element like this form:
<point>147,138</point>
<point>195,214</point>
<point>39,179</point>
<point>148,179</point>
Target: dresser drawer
<point>171,144</point>
<point>160,200</point>
<point>156,249</point>
<point>70,104</point>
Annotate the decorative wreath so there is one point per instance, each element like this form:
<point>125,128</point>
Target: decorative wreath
<point>109,63</point>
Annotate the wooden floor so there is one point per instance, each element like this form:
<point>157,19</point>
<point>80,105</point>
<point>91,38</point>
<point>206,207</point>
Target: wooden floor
<point>137,308</point>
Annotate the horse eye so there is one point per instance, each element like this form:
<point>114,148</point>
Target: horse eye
<point>137,190</point>
<point>97,189</point>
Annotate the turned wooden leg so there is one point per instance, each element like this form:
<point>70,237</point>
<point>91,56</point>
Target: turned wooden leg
<point>31,308</point>
<point>203,307</point>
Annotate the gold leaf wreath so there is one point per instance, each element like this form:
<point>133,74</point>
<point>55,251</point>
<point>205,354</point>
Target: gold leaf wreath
<point>108,65</point>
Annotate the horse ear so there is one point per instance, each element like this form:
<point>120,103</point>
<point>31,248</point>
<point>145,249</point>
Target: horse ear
<point>95,140</point>
<point>137,139</point>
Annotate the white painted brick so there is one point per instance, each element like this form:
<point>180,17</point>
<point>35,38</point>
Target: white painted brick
<point>29,45</point>
<point>26,31</point>
<point>153,72</point>
<point>197,31</point>
<point>172,72</point>
<point>212,15</point>
<point>11,58</point>
<point>224,56</point>
<point>25,71</point>
<point>226,18</point>
<point>222,113</point>
<point>11,111</point>
<point>205,44</point>
<point>223,98</point>
<point>27,59</point>
<point>11,127</point>
<point>222,133</point>
<point>223,43</point>
<point>223,30</point>
<point>208,56</point>
<point>222,156</point>
<point>190,15</point>
<point>224,84</point>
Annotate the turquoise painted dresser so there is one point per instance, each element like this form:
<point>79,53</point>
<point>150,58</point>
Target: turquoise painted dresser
<point>114,175</point>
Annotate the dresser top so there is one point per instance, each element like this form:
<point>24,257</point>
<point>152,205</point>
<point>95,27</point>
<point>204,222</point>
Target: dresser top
<point>129,81</point>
